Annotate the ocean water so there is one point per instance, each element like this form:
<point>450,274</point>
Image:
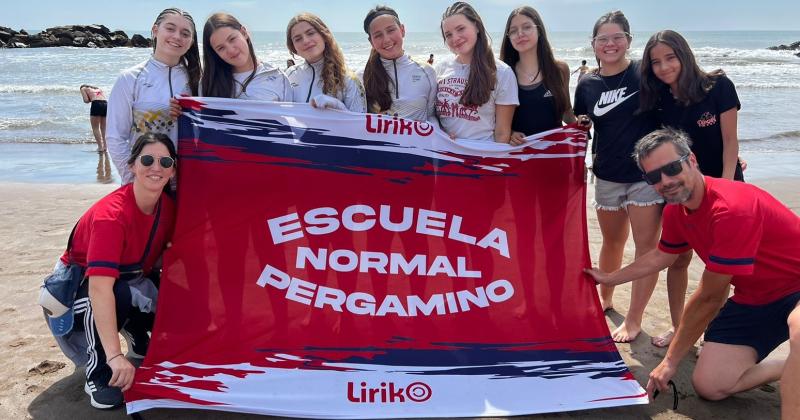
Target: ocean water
<point>40,102</point>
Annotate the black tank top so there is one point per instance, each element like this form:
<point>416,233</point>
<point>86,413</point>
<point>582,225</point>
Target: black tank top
<point>536,111</point>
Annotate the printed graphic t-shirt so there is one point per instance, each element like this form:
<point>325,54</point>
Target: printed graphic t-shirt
<point>471,121</point>
<point>611,102</point>
<point>702,122</point>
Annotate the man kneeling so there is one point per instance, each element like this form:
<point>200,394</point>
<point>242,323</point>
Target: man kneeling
<point>746,238</point>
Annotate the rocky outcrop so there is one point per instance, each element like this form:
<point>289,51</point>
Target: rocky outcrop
<point>90,36</point>
<point>782,47</point>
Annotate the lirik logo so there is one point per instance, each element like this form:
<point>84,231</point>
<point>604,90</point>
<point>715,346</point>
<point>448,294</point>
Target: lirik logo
<point>388,393</point>
<point>377,124</point>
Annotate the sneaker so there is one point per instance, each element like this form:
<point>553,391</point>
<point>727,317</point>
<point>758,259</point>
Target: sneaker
<point>103,396</point>
<point>137,343</point>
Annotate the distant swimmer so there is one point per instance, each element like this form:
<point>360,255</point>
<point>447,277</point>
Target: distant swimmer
<point>430,59</point>
<point>97,113</point>
<point>582,70</point>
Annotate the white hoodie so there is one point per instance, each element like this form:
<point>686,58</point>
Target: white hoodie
<point>306,81</point>
<point>139,104</point>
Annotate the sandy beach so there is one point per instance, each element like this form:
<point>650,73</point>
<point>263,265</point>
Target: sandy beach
<point>41,383</point>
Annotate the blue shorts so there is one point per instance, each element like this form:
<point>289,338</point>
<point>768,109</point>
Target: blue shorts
<point>762,327</point>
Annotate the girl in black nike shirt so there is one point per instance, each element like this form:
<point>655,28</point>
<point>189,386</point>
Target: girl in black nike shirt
<point>624,202</point>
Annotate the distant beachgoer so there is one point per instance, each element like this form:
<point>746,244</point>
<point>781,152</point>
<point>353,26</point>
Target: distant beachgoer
<point>477,92</point>
<point>395,83</point>
<point>430,59</point>
<point>117,243</point>
<point>97,113</point>
<point>747,239</point>
<point>140,100</point>
<point>623,201</point>
<point>543,81</point>
<point>289,63</point>
<point>582,70</point>
<point>705,106</point>
<point>323,79</point>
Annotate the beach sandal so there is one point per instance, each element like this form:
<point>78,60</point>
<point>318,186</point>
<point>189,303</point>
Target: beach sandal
<point>664,339</point>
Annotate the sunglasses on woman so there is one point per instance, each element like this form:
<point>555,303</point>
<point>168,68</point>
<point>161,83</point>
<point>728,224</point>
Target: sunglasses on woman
<point>671,169</point>
<point>166,162</point>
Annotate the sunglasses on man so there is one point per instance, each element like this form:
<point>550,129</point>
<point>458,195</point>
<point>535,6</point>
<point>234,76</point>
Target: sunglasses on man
<point>671,169</point>
<point>166,162</point>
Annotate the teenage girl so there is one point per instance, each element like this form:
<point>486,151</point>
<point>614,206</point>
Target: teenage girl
<point>230,66</point>
<point>624,202</point>
<point>705,106</point>
<point>140,100</point>
<point>395,83</point>
<point>543,81</point>
<point>323,79</point>
<point>477,93</point>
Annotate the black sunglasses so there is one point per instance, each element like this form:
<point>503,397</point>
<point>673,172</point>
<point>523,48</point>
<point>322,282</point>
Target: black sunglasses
<point>671,169</point>
<point>166,162</point>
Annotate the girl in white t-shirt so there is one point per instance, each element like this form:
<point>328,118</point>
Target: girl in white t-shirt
<point>230,66</point>
<point>477,93</point>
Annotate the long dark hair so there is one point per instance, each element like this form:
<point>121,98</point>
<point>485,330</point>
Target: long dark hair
<point>376,81</point>
<point>553,77</point>
<point>693,82</point>
<point>192,57</point>
<point>483,70</point>
<point>218,75</point>
<point>151,138</point>
<point>615,17</point>
<point>334,70</point>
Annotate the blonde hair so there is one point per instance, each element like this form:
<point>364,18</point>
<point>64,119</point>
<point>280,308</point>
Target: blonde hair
<point>334,70</point>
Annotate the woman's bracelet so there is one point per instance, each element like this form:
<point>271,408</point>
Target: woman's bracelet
<point>109,360</point>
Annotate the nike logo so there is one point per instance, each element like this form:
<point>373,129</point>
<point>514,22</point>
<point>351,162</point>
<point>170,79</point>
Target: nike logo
<point>611,100</point>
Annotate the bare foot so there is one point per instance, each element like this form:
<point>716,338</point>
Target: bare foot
<point>662,340</point>
<point>625,333</point>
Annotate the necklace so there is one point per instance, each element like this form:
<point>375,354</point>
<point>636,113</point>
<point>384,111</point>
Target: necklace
<point>603,79</point>
<point>528,75</point>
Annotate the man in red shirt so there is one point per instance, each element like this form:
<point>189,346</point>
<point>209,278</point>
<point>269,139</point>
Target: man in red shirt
<point>747,239</point>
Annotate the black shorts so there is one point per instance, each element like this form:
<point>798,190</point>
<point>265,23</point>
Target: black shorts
<point>762,327</point>
<point>98,108</point>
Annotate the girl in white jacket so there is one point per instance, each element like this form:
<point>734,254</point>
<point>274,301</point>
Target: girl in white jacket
<point>231,68</point>
<point>323,79</point>
<point>396,84</point>
<point>140,99</point>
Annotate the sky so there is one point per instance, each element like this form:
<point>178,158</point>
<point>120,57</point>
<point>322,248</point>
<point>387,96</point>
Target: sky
<point>417,15</point>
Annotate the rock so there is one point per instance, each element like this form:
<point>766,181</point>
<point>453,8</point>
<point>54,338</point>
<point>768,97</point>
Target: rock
<point>23,32</point>
<point>140,41</point>
<point>782,47</point>
<point>6,34</point>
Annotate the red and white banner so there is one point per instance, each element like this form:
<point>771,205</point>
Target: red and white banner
<point>338,265</point>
